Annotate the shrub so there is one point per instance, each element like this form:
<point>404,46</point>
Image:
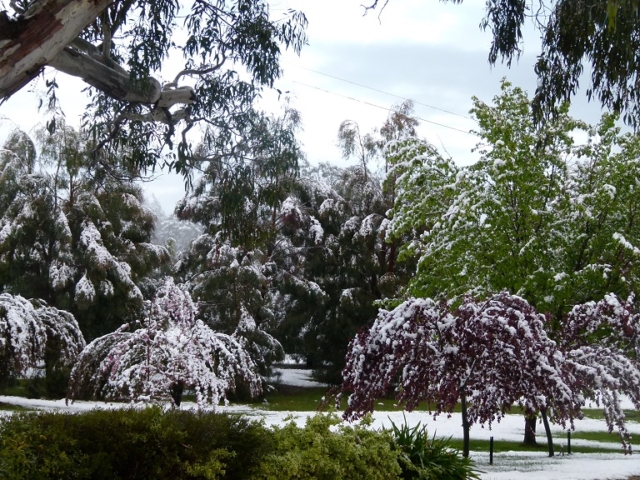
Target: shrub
<point>131,444</point>
<point>429,459</point>
<point>316,453</point>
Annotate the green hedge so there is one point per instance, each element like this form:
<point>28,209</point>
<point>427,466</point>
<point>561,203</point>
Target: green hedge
<point>153,444</point>
<point>131,444</point>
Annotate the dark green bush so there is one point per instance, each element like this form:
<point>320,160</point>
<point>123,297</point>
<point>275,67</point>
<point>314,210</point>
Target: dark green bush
<point>316,453</point>
<point>152,444</point>
<point>429,459</point>
<point>131,444</point>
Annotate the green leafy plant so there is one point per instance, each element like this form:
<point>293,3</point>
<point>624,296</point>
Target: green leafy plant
<point>429,459</point>
<point>325,449</point>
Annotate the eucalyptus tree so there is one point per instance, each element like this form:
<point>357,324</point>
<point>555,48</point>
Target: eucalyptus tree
<point>600,37</point>
<point>229,51</point>
<point>75,234</point>
<point>238,201</point>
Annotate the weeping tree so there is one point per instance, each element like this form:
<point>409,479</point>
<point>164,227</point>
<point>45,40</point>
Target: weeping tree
<point>167,351</point>
<point>35,336</point>
<point>486,354</point>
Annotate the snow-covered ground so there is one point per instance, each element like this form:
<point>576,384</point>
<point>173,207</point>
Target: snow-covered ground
<point>507,466</point>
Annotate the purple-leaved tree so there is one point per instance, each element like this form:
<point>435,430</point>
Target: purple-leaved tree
<point>602,343</point>
<point>489,355</point>
<point>169,352</point>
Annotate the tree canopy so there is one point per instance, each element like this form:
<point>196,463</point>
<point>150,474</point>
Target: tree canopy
<point>229,51</point>
<point>600,38</point>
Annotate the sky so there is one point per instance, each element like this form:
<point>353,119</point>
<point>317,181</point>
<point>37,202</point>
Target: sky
<point>356,67</point>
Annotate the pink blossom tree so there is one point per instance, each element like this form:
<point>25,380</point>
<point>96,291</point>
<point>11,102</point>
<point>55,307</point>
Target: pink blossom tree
<point>169,352</point>
<point>489,355</point>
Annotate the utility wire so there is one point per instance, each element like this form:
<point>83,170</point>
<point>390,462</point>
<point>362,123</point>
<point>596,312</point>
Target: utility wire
<point>384,108</point>
<point>381,91</point>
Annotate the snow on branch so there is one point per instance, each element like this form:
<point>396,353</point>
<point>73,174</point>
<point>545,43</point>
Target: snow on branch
<point>492,353</point>
<point>26,331</point>
<point>171,351</point>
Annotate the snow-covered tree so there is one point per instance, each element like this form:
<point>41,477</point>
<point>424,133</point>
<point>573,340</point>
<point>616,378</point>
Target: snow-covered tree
<point>170,350</point>
<point>74,233</point>
<point>537,215</point>
<point>602,342</point>
<point>232,287</point>
<point>488,354</point>
<point>34,336</point>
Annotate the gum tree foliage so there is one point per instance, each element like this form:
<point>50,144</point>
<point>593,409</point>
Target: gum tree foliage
<point>600,37</point>
<point>488,354</point>
<point>353,264</point>
<point>229,51</point>
<point>168,351</point>
<point>34,336</point>
<point>74,234</point>
<point>336,222</point>
<point>231,268</point>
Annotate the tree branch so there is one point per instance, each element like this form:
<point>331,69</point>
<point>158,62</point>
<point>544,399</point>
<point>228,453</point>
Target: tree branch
<point>39,36</point>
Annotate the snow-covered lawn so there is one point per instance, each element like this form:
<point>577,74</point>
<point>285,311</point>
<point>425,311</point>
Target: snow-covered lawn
<point>507,465</point>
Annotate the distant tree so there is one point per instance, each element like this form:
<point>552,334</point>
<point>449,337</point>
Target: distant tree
<point>34,336</point>
<point>168,351</point>
<point>489,355</point>
<point>230,49</point>
<point>75,233</point>
<point>170,232</point>
<point>599,36</point>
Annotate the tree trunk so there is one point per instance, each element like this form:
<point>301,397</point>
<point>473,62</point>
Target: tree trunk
<point>176,393</point>
<point>465,426</point>
<point>31,42</point>
<point>547,429</point>
<point>530,430</point>
<point>111,80</point>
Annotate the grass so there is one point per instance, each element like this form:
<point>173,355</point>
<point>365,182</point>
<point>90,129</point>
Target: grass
<point>500,446</point>
<point>12,408</point>
<point>17,388</point>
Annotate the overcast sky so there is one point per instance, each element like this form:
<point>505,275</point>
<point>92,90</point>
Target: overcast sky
<point>431,52</point>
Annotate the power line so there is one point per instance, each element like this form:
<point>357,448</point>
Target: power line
<point>381,91</point>
<point>384,108</point>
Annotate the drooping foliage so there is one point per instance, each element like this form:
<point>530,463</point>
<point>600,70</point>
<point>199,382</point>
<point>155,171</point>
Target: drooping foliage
<point>489,354</point>
<point>74,233</point>
<point>599,37</point>
<point>166,352</point>
<point>602,341</point>
<point>34,336</point>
